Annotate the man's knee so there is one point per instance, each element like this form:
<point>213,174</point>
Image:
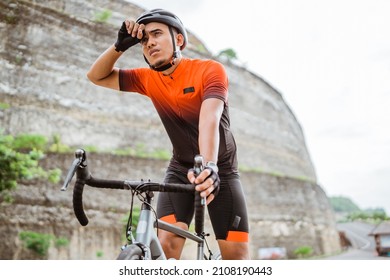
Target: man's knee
<point>234,250</point>
<point>171,243</point>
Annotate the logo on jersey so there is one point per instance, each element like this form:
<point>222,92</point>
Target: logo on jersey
<point>188,90</point>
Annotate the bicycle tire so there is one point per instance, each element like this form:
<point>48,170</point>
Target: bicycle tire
<point>131,252</point>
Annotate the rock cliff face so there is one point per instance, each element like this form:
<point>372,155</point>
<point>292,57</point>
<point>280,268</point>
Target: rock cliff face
<point>45,52</point>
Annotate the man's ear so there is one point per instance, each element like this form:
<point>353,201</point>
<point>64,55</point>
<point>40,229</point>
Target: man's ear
<point>179,40</point>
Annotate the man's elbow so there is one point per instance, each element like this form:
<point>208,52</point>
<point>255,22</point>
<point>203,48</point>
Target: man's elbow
<point>91,77</point>
<point>95,79</point>
<point>111,81</point>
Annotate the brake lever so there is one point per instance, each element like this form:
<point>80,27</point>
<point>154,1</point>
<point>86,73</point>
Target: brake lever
<point>79,160</point>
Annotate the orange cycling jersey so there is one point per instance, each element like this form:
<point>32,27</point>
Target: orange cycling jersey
<point>178,98</point>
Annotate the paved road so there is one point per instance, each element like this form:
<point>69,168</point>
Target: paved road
<point>363,246</point>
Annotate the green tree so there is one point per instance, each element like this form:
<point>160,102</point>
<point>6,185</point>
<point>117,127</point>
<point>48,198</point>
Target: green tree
<point>229,53</point>
<point>343,204</point>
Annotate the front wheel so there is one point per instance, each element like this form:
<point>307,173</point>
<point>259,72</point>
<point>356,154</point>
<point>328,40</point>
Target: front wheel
<point>131,252</point>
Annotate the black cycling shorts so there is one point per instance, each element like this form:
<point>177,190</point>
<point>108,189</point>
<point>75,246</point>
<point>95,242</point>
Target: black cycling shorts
<point>228,211</point>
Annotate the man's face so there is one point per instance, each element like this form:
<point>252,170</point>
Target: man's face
<point>157,44</point>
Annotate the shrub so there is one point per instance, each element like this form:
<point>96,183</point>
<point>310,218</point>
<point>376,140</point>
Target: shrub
<point>61,242</point>
<point>303,252</point>
<point>29,142</point>
<point>103,16</point>
<point>19,157</point>
<point>37,242</point>
<point>40,242</point>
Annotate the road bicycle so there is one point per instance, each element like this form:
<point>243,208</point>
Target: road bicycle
<point>145,244</point>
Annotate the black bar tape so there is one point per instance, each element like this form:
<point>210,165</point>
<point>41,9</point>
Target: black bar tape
<point>106,184</point>
<point>199,214</point>
<point>177,187</point>
<point>78,203</point>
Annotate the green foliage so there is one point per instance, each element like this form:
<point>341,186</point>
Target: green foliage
<point>57,146</point>
<point>201,48</point>
<point>303,252</point>
<point>4,106</point>
<point>140,152</point>
<point>29,142</point>
<point>367,215</point>
<point>352,212</point>
<point>228,53</point>
<point>99,254</point>
<point>91,149</point>
<point>135,219</point>
<point>15,165</point>
<point>343,204</point>
<point>37,242</point>
<point>40,242</point>
<point>61,242</point>
<point>381,216</point>
<point>54,175</point>
<point>375,212</point>
<point>160,154</point>
<point>19,59</point>
<point>103,16</point>
<point>19,158</point>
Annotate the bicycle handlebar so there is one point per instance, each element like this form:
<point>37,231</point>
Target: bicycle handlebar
<point>200,202</point>
<point>83,177</point>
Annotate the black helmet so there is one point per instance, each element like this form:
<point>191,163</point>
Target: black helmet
<point>168,18</point>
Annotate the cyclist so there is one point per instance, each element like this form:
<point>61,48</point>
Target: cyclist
<point>191,98</point>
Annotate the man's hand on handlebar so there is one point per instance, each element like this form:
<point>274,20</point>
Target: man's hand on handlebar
<point>207,182</point>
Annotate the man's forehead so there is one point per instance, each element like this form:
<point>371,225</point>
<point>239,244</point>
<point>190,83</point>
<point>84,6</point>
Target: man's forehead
<point>155,26</point>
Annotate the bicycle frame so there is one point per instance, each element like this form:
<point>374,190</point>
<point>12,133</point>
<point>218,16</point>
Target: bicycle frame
<point>147,236</point>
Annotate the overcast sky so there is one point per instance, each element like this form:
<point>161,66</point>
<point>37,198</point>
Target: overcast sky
<point>330,60</point>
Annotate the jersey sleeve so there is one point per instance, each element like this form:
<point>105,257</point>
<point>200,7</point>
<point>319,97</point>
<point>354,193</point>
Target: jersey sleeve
<point>216,82</point>
<point>132,80</point>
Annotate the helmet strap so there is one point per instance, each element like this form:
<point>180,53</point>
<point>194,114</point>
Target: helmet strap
<point>176,54</point>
